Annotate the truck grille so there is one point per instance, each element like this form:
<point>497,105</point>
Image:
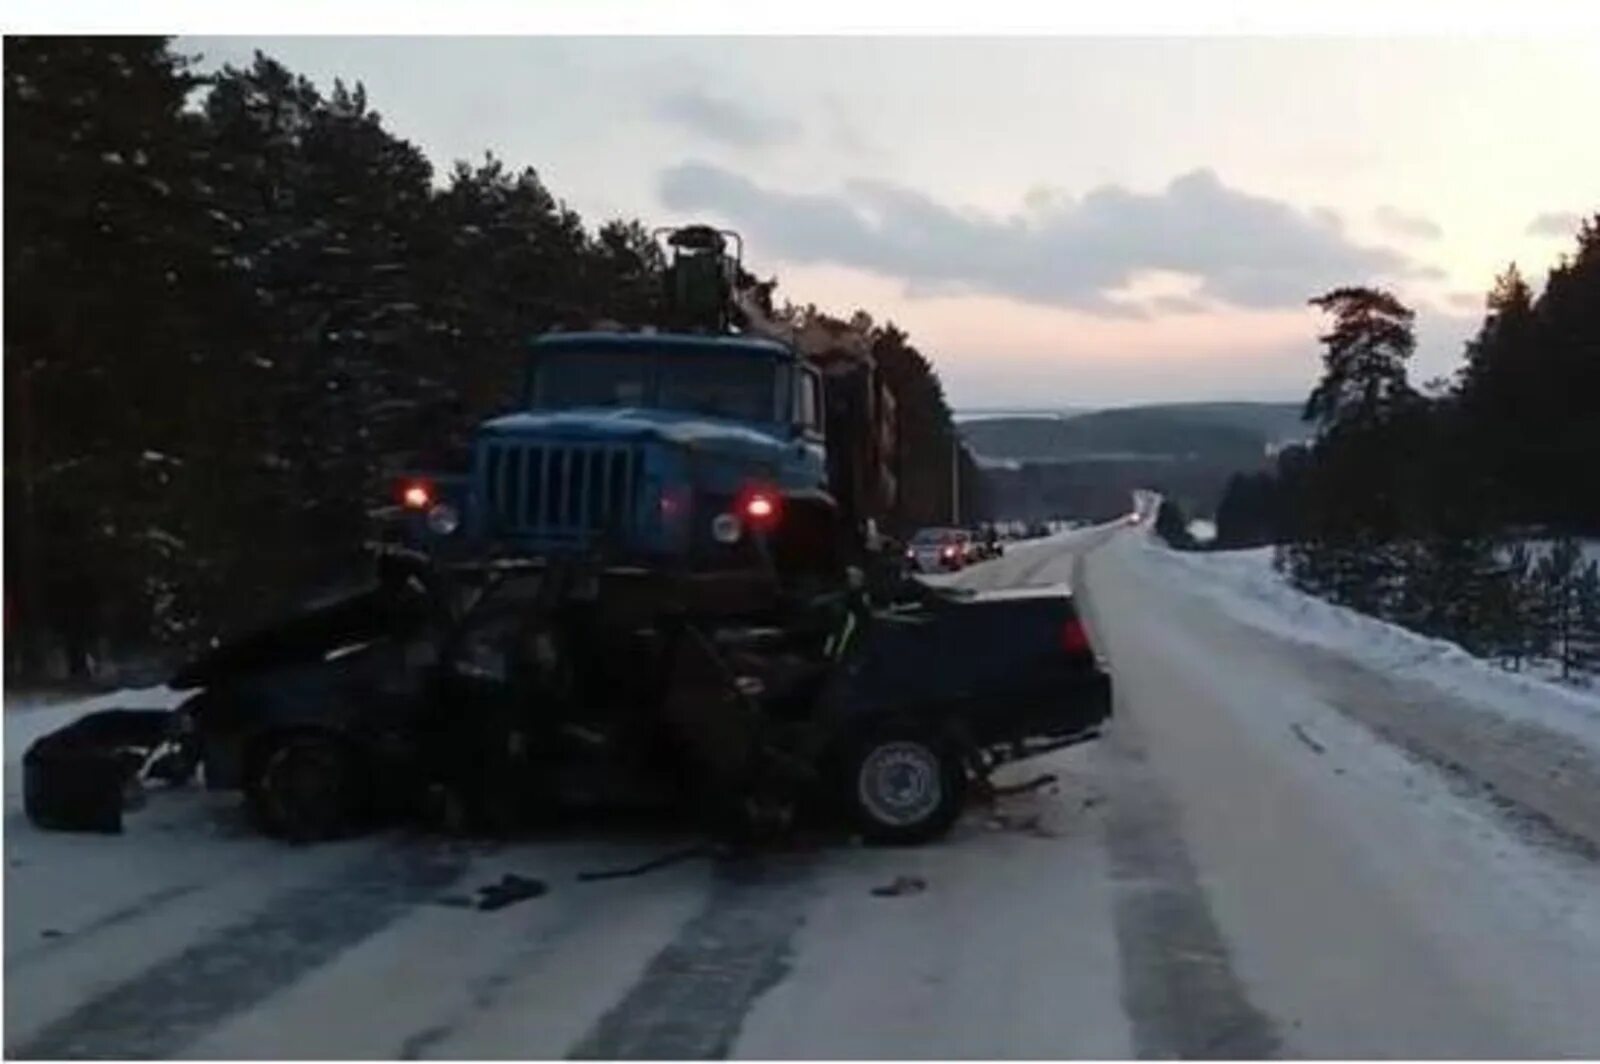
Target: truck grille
<point>561,492</point>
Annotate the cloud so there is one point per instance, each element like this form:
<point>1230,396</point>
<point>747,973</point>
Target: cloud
<point>725,121</point>
<point>1554,223</point>
<point>843,131</point>
<point>1329,218</point>
<point>1465,300</point>
<point>1176,305</point>
<point>1399,223</point>
<point>1239,249</point>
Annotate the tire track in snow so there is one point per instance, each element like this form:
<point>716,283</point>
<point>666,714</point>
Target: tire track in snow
<point>693,996</point>
<point>148,904</point>
<point>1181,994</point>
<point>1178,984</point>
<point>169,1005</point>
<point>1537,778</point>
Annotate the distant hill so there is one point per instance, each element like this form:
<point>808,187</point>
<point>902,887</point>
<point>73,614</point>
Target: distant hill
<point>1215,431</point>
<point>1087,464</point>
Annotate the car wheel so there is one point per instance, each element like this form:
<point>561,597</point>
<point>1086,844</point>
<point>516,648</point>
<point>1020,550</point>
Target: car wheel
<point>306,787</point>
<point>903,786</point>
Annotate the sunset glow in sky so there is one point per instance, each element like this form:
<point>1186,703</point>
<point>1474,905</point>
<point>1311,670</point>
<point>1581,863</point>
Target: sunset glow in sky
<point>1061,221</point>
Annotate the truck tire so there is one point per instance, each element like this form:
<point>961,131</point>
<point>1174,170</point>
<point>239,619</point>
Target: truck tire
<point>306,786</point>
<point>903,785</point>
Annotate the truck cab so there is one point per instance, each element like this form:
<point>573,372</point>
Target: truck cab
<point>694,448</point>
<point>647,447</point>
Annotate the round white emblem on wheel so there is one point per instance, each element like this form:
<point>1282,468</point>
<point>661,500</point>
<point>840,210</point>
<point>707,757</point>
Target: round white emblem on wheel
<point>900,783</point>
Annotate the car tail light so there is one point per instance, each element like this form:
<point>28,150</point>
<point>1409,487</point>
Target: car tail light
<point>1075,637</point>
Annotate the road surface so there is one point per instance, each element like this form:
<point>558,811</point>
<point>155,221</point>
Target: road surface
<point>1242,868</point>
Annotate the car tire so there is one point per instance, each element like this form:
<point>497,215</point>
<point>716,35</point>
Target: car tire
<point>306,787</point>
<point>902,785</point>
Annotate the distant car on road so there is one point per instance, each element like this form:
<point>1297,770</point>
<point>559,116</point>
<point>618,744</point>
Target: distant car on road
<point>939,550</point>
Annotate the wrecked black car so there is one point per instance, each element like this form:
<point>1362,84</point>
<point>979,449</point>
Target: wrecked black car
<point>481,708</point>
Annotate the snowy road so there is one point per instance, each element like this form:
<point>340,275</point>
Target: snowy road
<point>1242,868</point>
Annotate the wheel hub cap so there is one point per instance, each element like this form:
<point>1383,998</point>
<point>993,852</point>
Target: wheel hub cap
<point>900,783</point>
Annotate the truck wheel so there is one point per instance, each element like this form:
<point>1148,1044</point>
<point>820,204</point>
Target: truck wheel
<point>903,786</point>
<point>306,787</point>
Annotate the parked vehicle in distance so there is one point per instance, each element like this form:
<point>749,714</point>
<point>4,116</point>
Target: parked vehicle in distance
<point>985,544</point>
<point>939,550</point>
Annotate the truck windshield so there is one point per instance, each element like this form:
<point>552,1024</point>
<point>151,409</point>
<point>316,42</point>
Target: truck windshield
<point>740,387</point>
<point>585,379</point>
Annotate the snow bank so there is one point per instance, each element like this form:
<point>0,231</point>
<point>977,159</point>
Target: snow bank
<point>1243,585</point>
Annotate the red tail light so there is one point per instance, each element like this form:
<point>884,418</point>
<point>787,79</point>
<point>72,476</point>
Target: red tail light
<point>760,507</point>
<point>416,494</point>
<point>1075,638</point>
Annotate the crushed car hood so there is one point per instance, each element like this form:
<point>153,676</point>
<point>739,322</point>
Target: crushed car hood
<point>325,632</point>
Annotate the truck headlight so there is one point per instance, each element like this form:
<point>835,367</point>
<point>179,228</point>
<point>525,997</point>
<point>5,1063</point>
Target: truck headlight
<point>443,519</point>
<point>727,528</point>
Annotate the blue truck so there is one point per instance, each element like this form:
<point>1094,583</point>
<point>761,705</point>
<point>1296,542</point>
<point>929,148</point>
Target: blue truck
<point>731,444</point>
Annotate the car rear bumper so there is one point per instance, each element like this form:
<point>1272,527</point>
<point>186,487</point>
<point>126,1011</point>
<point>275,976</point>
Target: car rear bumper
<point>1079,704</point>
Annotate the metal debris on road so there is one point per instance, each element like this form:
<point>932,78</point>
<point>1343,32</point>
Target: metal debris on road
<point>511,889</point>
<point>1312,744</point>
<point>1024,788</point>
<point>901,885</point>
<point>1028,824</point>
<point>685,854</point>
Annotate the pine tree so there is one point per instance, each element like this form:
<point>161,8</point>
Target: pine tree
<point>328,214</point>
<point>1173,526</point>
<point>1586,639</point>
<point>926,431</point>
<point>1364,361</point>
<point>1350,500</point>
<point>119,315</point>
<point>1509,608</point>
<point>1250,512</point>
<point>1560,610</point>
<point>1564,428</point>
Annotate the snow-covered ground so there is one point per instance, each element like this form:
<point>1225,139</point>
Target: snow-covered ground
<point>1241,868</point>
<point>1380,903</point>
<point>1244,585</point>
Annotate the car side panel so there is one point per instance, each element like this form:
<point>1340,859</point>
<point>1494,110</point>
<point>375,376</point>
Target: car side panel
<point>996,669</point>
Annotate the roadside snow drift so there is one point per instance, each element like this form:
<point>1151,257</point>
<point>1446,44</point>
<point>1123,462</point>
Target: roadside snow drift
<point>1244,586</point>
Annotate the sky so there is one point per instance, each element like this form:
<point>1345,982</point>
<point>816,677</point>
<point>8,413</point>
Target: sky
<point>1083,221</point>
